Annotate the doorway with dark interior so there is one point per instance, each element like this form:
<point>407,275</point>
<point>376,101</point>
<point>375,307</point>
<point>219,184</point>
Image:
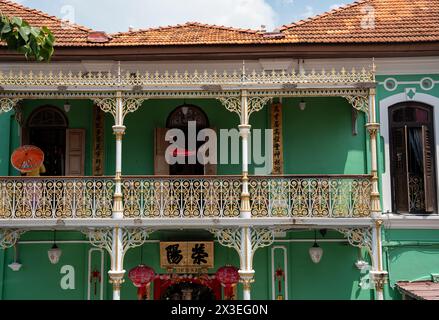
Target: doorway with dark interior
<point>46,129</point>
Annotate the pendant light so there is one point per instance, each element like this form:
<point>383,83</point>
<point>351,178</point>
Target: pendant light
<point>54,253</point>
<point>315,252</point>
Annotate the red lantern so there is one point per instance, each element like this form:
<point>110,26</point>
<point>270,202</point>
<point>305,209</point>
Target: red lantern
<point>141,276</point>
<point>228,276</point>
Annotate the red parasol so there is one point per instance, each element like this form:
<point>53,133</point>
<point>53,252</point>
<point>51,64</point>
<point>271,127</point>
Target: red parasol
<point>27,158</point>
<point>183,152</point>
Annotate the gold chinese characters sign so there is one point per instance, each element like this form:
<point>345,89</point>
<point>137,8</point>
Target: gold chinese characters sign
<point>186,256</point>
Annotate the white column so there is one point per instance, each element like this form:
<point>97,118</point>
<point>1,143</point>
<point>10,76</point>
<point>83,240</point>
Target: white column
<point>117,272</point>
<point>378,275</point>
<point>246,271</point>
<point>373,128</point>
<point>119,131</point>
<point>244,131</point>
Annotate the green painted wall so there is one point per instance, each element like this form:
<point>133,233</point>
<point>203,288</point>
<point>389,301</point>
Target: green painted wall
<point>334,278</point>
<point>319,139</point>
<point>410,255</point>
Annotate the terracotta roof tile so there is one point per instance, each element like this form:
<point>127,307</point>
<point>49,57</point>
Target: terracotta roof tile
<point>190,33</point>
<point>392,21</point>
<point>65,34</point>
<point>422,290</point>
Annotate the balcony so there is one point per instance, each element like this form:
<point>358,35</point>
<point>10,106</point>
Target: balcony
<point>179,198</point>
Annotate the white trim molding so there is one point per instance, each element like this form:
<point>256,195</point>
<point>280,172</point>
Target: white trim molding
<point>385,104</point>
<point>411,221</point>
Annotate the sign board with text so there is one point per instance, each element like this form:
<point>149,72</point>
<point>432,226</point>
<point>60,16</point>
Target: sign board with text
<point>186,256</point>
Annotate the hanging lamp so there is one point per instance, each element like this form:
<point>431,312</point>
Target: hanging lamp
<point>315,252</point>
<point>54,253</point>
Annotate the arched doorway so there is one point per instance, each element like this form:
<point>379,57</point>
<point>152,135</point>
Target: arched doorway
<point>412,158</point>
<point>188,291</point>
<point>46,129</point>
<point>181,118</point>
<point>189,120</point>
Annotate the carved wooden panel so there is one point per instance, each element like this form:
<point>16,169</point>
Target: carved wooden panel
<point>98,141</point>
<point>276,126</point>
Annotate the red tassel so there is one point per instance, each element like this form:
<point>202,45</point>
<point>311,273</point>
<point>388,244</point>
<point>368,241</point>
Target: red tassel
<point>141,293</point>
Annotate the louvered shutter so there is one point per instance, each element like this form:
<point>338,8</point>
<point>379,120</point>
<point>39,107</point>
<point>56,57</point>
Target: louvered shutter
<point>429,181</point>
<point>400,170</point>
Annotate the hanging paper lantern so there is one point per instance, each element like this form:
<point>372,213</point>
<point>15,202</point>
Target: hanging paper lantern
<point>228,276</point>
<point>141,276</point>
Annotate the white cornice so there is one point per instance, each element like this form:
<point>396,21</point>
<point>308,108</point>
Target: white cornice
<point>410,221</point>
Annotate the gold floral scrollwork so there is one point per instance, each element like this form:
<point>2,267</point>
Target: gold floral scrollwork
<point>359,237</point>
<point>360,103</point>
<point>131,105</point>
<point>7,104</point>
<point>107,105</point>
<point>131,238</point>
<point>232,237</point>
<point>232,104</point>
<point>256,104</point>
<point>9,237</point>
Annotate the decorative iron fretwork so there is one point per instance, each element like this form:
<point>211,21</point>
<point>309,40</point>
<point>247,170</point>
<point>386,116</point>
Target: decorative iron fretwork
<point>98,141</point>
<point>9,237</point>
<point>7,104</point>
<point>416,193</point>
<point>137,79</point>
<point>56,198</point>
<point>231,238</point>
<point>360,103</point>
<point>359,237</point>
<point>276,126</point>
<point>233,104</point>
<point>256,104</point>
<point>129,104</point>
<point>131,238</point>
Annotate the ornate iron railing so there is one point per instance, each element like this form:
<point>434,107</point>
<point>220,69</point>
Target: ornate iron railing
<point>56,198</point>
<point>306,196</point>
<point>185,197</point>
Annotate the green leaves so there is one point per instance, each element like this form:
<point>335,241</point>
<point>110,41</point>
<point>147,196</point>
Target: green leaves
<point>35,43</point>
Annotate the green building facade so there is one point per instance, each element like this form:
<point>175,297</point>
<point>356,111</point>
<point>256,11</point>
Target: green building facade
<point>319,129</point>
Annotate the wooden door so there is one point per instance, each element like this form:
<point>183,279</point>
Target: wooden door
<point>75,152</point>
<point>161,167</point>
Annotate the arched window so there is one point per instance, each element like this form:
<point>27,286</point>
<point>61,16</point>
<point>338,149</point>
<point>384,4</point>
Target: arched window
<point>412,158</point>
<point>182,115</point>
<point>181,118</point>
<point>47,116</point>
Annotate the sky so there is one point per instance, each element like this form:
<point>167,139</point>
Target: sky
<point>119,15</point>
